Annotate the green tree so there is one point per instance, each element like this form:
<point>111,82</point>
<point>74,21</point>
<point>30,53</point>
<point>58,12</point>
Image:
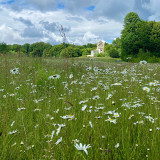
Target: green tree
<point>114,53</point>
<point>130,37</point>
<point>86,51</point>
<point>117,44</point>
<point>107,48</point>
<point>55,50</point>
<point>131,18</point>
<point>71,51</point>
<point>3,48</point>
<point>155,39</point>
<point>25,48</point>
<point>90,45</point>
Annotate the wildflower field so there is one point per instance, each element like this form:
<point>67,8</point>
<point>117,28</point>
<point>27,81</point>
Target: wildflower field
<point>77,109</point>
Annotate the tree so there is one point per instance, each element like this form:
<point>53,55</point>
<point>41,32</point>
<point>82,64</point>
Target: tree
<point>25,48</point>
<point>86,51</point>
<point>155,38</point>
<point>114,53</point>
<point>107,48</point>
<point>117,44</point>
<point>71,51</point>
<point>90,45</point>
<point>55,50</point>
<point>3,48</point>
<point>131,18</point>
<point>129,35</point>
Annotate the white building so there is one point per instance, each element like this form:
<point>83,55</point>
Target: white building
<point>100,48</point>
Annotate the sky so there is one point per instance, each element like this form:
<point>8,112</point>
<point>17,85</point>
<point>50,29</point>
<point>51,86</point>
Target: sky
<point>83,21</point>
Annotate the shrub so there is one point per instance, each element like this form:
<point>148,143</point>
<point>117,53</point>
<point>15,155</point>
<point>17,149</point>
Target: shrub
<point>153,59</point>
<point>100,55</point>
<point>4,48</point>
<point>113,53</point>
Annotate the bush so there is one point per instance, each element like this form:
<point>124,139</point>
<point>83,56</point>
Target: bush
<point>113,53</point>
<point>153,59</point>
<point>3,48</point>
<point>100,55</point>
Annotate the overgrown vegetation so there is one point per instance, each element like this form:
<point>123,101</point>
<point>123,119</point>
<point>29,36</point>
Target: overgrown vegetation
<point>41,49</point>
<point>140,39</point>
<point>48,108</point>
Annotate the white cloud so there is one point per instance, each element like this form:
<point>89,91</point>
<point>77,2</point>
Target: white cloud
<point>28,26</point>
<point>8,34</point>
<point>88,37</point>
<point>153,7</point>
<point>38,19</point>
<point>43,4</point>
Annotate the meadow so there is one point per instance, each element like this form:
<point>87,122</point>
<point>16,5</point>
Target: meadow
<point>78,109</point>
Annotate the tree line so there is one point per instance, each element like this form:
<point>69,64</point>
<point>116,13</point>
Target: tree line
<point>140,39</point>
<point>42,49</point>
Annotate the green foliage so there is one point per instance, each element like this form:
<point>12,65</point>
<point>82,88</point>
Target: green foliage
<point>37,111</point>
<point>71,51</point>
<point>3,48</point>
<point>130,37</point>
<point>25,48</point>
<point>131,18</point>
<point>100,55</point>
<point>153,59</point>
<point>140,38</point>
<point>113,53</point>
<point>86,51</point>
<point>117,43</point>
<point>90,45</point>
<point>107,48</point>
<point>54,51</point>
<point>40,49</point>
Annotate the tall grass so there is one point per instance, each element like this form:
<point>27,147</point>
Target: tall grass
<point>32,107</point>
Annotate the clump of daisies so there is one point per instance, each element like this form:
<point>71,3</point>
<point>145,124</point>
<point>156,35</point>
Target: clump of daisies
<point>14,71</point>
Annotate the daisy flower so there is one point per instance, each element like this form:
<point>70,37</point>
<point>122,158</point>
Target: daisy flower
<point>56,76</point>
<point>14,71</point>
<point>116,84</point>
<point>116,115</point>
<point>59,141</point>
<point>146,89</point>
<point>117,145</point>
<point>69,117</point>
<point>84,107</point>
<point>81,147</point>
<point>111,120</point>
<point>71,76</point>
<point>143,62</point>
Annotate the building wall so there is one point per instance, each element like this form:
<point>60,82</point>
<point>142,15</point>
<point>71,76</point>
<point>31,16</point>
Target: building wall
<point>100,48</point>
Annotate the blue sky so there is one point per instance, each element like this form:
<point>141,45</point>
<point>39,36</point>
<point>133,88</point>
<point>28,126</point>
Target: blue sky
<point>84,21</point>
<point>7,2</point>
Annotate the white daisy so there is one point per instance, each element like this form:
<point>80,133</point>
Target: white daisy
<point>14,71</point>
<point>81,147</point>
<point>59,141</point>
<point>146,89</point>
<point>71,76</point>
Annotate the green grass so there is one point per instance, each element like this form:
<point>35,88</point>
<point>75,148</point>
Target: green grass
<point>92,82</point>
